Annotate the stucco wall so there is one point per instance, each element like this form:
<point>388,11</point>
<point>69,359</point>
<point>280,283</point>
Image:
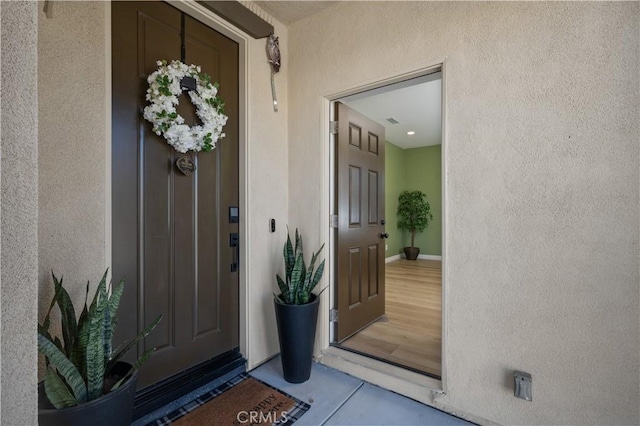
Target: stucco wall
<point>542,164</point>
<point>268,196</point>
<point>72,147</point>
<point>73,161</point>
<point>19,214</point>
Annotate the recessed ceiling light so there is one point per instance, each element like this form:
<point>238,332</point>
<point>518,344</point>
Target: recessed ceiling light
<point>411,132</point>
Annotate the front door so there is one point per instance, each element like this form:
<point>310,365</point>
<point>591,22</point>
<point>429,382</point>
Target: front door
<point>172,231</point>
<point>360,240</point>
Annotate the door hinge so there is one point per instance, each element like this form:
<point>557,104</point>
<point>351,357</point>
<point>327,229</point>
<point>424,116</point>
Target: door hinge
<point>333,315</point>
<point>333,127</point>
<point>333,220</point>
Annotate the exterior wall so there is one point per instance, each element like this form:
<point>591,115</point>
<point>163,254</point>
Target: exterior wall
<point>72,164</point>
<point>268,195</point>
<point>74,161</point>
<point>542,188</point>
<point>19,214</point>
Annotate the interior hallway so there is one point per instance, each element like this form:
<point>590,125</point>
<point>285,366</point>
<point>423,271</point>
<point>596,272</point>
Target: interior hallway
<point>410,334</point>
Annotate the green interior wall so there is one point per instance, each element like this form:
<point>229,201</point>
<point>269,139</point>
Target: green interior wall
<point>423,172</point>
<point>413,169</point>
<point>394,184</point>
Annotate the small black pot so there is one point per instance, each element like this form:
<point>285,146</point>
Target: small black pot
<point>297,332</point>
<point>112,409</point>
<point>411,253</point>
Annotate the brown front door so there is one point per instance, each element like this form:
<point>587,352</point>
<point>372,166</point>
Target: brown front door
<point>361,246</point>
<point>172,232</point>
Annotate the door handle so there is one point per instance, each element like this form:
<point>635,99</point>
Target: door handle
<point>384,235</point>
<point>234,242</point>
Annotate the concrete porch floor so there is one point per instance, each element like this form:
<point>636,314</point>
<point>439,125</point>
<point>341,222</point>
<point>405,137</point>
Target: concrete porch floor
<point>339,399</point>
<point>335,398</point>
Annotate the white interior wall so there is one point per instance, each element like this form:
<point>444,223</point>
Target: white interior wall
<point>543,188</point>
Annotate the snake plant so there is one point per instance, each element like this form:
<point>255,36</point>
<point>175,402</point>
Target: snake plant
<point>78,364</point>
<point>296,288</point>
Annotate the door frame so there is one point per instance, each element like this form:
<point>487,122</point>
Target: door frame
<point>215,22</point>
<point>386,375</point>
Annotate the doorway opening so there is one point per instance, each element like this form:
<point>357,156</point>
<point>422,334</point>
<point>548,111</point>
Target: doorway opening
<point>388,140</point>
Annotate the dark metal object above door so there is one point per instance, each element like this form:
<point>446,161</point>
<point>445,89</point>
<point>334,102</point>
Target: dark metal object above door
<point>241,17</point>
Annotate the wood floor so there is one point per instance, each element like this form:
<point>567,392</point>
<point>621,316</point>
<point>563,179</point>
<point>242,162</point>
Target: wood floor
<point>410,333</point>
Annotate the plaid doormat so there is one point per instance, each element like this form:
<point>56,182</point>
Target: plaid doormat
<point>241,400</point>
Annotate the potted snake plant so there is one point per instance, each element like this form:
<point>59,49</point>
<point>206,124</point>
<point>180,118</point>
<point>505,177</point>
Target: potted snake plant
<point>297,310</point>
<point>86,382</point>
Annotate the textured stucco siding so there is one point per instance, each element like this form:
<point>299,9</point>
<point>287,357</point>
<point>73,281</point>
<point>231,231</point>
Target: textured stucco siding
<point>19,214</point>
<point>268,173</point>
<point>542,188</point>
<point>71,147</point>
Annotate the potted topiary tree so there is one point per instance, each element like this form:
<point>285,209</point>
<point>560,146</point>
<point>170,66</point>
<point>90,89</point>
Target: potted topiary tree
<point>297,311</point>
<point>414,214</point>
<point>86,382</point>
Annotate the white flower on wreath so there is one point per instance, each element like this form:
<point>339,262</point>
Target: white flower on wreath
<point>164,89</point>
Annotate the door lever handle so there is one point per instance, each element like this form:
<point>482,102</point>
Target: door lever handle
<point>384,235</point>
<point>234,243</point>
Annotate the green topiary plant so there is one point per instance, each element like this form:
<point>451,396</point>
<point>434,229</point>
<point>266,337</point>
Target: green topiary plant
<point>78,366</point>
<point>299,280</point>
<point>414,213</point>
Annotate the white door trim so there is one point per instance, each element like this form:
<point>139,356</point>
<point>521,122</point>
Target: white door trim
<point>212,20</point>
<point>379,373</point>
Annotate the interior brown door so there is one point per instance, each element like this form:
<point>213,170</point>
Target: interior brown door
<point>360,239</point>
<point>171,231</point>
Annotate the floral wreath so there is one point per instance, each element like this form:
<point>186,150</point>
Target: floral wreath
<point>165,85</point>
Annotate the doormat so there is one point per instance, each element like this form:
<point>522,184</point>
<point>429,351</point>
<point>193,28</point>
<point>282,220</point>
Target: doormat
<point>242,400</point>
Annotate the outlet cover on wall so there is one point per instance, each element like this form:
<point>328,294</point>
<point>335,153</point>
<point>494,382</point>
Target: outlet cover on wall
<point>522,385</point>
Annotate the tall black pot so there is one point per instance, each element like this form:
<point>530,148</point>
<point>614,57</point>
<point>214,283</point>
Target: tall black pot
<point>112,409</point>
<point>297,331</point>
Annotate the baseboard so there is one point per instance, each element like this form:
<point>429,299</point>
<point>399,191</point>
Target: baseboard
<point>155,396</point>
<point>420,256</point>
<point>429,257</point>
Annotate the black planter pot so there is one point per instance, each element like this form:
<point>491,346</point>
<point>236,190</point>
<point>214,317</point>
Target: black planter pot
<point>411,253</point>
<point>297,331</point>
<point>112,409</point>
